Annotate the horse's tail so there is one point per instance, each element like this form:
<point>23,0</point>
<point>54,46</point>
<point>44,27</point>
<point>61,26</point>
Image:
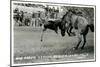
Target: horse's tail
<point>91,26</point>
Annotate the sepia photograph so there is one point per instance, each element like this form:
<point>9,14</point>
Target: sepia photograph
<point>52,33</point>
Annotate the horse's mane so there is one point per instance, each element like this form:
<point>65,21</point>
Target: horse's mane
<point>64,16</point>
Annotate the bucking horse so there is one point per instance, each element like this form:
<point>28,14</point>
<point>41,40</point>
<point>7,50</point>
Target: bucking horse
<point>76,25</point>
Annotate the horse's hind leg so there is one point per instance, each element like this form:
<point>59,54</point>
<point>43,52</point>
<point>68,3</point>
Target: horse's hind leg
<point>84,37</point>
<point>84,41</point>
<point>42,34</point>
<point>79,41</point>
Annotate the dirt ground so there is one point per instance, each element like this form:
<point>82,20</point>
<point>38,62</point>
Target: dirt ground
<point>29,49</point>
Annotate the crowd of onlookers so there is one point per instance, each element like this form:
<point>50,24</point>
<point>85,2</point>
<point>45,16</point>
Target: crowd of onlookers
<point>52,12</point>
<point>22,18</point>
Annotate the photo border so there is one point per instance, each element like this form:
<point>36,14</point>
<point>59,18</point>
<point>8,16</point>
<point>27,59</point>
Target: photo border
<point>46,63</point>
